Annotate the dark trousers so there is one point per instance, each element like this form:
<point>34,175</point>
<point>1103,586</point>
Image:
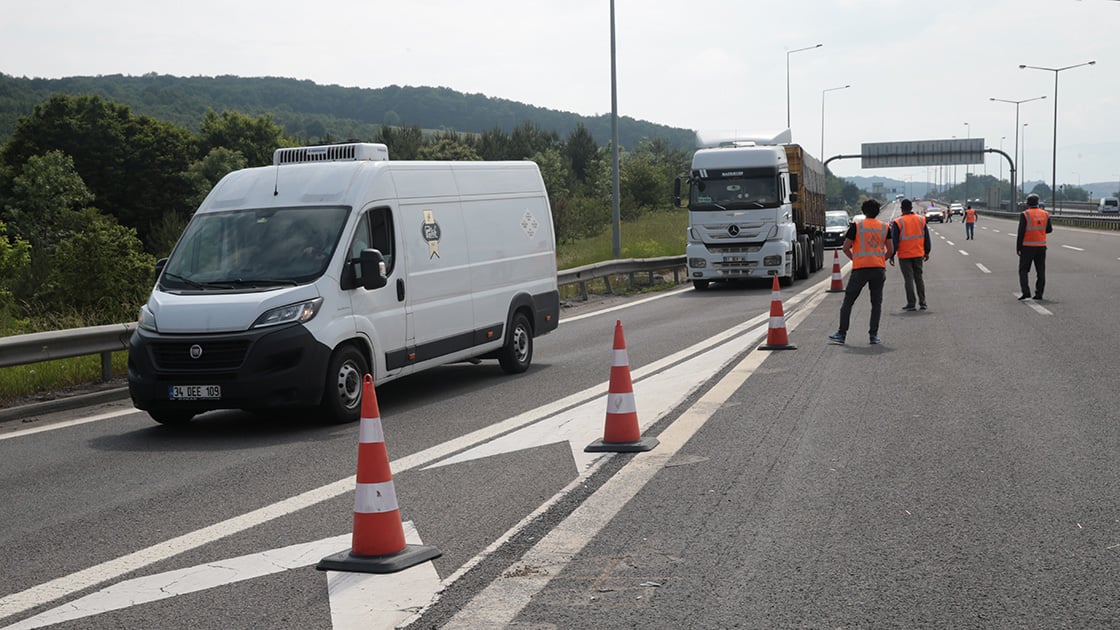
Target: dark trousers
<point>968,230</point>
<point>1036,255</point>
<point>874,279</point>
<point>913,278</point>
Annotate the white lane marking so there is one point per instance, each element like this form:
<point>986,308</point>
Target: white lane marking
<point>1076,249</point>
<point>69,423</point>
<point>983,268</point>
<point>1038,308</point>
<point>963,253</point>
<point>663,294</point>
<point>498,604</point>
<point>951,243</point>
<point>107,571</point>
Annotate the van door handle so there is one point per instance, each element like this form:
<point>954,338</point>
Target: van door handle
<point>400,289</point>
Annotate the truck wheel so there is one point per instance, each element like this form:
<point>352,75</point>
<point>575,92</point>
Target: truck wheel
<point>820,252</point>
<point>700,285</point>
<point>171,417</point>
<point>801,258</point>
<point>517,354</point>
<point>342,395</point>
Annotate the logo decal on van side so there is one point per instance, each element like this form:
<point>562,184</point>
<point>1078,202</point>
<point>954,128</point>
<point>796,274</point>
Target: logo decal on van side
<point>529,224</point>
<point>430,230</point>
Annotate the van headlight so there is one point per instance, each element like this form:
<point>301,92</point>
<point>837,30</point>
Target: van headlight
<point>302,313</point>
<point>147,319</point>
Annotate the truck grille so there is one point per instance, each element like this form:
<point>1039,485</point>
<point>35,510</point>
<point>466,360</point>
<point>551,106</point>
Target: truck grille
<point>216,355</point>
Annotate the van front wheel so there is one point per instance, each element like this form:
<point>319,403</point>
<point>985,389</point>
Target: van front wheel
<point>517,354</point>
<point>342,395</point>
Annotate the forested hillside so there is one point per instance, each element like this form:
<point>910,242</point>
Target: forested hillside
<point>312,113</point>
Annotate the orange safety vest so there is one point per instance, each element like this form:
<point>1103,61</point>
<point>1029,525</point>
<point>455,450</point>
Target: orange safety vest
<point>911,236</point>
<point>869,249</point>
<point>970,216</point>
<point>1035,235</point>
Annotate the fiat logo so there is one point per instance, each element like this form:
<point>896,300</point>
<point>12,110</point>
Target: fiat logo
<point>196,351</point>
<point>733,230</point>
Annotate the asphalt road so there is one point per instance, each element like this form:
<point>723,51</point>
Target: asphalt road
<point>959,475</point>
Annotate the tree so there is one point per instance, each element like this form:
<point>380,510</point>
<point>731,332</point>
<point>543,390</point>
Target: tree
<point>581,150</point>
<point>47,189</point>
<point>15,259</point>
<point>254,138</point>
<point>447,149</point>
<point>133,165</point>
<point>403,142</point>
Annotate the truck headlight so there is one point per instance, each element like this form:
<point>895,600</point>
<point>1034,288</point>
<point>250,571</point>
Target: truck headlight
<point>697,263</point>
<point>302,313</point>
<point>147,319</point>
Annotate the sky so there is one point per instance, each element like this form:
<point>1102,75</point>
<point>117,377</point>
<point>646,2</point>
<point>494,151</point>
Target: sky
<point>917,70</point>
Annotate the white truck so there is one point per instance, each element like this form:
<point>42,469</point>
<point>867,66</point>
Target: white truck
<point>756,208</point>
<point>293,281</point>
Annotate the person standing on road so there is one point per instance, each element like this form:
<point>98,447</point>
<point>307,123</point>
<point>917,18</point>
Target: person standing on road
<point>969,223</point>
<point>868,247</point>
<point>910,240</point>
<point>1030,245</point>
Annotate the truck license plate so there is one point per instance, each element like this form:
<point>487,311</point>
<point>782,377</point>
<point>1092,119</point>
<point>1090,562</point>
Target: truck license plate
<point>195,392</point>
<point>734,259</point>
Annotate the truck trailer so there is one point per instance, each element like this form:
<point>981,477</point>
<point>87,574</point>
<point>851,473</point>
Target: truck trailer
<point>756,208</point>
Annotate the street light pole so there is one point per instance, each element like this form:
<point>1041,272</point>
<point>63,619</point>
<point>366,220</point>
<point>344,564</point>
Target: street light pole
<point>823,92</point>
<point>968,136</point>
<point>788,53</point>
<point>1054,158</point>
<point>1022,169</point>
<point>1018,165</point>
<point>616,203</point>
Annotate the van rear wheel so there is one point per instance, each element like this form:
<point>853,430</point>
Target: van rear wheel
<point>342,395</point>
<point>517,353</point>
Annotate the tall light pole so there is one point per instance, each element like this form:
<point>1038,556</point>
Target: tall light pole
<point>1017,164</point>
<point>1054,158</point>
<point>1022,170</point>
<point>999,187</point>
<point>616,209</point>
<point>788,53</point>
<point>823,92</point>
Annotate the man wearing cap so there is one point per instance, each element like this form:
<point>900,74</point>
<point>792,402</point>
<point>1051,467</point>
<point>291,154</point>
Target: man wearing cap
<point>910,237</point>
<point>1030,245</point>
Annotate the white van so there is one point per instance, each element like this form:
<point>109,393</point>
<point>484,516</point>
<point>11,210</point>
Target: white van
<point>1109,204</point>
<point>292,281</point>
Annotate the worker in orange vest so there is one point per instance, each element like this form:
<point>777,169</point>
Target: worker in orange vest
<point>969,223</point>
<point>1030,245</point>
<point>868,247</point>
<point>910,238</point>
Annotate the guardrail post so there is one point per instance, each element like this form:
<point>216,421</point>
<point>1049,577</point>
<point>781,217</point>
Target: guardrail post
<point>106,367</point>
<point>607,283</point>
<point>583,290</point>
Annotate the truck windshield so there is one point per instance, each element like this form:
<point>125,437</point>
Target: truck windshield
<point>247,249</point>
<point>735,193</point>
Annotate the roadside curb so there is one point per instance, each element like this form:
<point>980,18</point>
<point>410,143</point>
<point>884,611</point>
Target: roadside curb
<point>63,404</point>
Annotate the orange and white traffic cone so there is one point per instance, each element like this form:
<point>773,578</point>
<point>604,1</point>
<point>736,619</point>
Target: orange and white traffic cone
<point>622,434</point>
<point>378,544</point>
<point>837,283</point>
<point>776,336</point>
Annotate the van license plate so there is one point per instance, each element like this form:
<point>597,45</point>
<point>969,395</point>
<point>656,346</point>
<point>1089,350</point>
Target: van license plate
<point>195,392</point>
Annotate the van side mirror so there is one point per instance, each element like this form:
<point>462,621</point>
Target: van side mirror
<point>160,264</point>
<point>373,273</point>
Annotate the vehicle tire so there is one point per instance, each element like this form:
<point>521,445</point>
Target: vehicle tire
<point>820,252</point>
<point>517,353</point>
<point>700,285</point>
<point>801,258</point>
<point>342,394</point>
<point>164,416</point>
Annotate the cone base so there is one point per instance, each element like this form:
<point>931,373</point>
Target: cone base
<point>411,555</point>
<point>835,291</point>
<point>767,346</point>
<point>600,446</point>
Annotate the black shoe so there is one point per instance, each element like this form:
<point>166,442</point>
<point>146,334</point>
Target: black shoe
<point>909,307</point>
<point>1025,296</point>
<point>923,307</point>
<point>1038,296</point>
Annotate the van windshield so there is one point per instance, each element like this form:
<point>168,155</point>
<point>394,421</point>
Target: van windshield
<point>736,192</point>
<point>251,249</point>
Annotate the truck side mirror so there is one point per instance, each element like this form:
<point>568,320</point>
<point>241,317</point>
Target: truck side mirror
<point>372,275</point>
<point>677,192</point>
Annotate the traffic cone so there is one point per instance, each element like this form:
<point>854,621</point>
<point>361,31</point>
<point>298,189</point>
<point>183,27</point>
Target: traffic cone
<point>621,434</point>
<point>776,337</point>
<point>837,283</point>
<point>378,544</point>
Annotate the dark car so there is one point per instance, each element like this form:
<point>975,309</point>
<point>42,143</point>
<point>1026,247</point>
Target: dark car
<point>835,227</point>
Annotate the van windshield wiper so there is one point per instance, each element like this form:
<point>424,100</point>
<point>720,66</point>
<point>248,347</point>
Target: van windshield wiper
<point>187,281</point>
<point>253,282</point>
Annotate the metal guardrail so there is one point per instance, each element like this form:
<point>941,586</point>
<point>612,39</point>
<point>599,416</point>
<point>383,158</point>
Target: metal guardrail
<point>105,340</point>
